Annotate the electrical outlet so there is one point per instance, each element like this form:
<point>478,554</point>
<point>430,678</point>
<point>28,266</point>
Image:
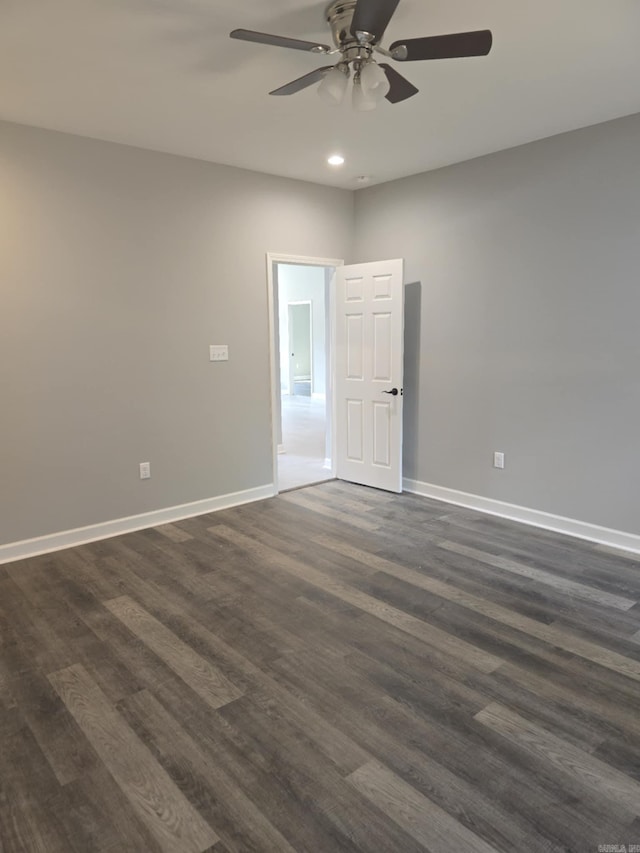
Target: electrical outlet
<point>145,470</point>
<point>498,460</point>
<point>219,352</point>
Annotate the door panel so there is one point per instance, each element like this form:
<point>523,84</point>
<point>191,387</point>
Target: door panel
<point>369,355</point>
<point>355,431</point>
<point>355,346</point>
<point>381,434</point>
<point>382,334</point>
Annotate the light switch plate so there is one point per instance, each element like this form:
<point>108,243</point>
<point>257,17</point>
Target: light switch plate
<point>218,352</point>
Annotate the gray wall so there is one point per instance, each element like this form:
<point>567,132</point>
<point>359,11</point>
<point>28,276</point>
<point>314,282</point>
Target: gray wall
<point>118,267</point>
<point>525,270</point>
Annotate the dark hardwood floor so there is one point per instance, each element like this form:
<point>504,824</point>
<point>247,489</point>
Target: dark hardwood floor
<point>335,669</point>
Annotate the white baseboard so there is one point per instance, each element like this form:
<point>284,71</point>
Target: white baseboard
<point>548,521</point>
<point>327,464</point>
<point>81,535</point>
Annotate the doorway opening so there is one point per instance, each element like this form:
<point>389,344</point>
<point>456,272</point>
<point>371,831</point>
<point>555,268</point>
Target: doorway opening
<point>301,363</point>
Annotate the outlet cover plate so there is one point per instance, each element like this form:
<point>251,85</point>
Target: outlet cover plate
<point>219,352</point>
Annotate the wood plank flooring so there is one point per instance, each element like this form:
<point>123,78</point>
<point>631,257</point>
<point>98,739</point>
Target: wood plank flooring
<point>334,669</point>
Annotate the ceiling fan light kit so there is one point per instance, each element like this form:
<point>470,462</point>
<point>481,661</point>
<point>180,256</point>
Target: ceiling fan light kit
<point>334,83</point>
<point>361,100</point>
<point>373,79</point>
<point>357,28</point>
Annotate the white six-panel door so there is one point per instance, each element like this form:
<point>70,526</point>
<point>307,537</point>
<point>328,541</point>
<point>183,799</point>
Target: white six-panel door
<point>368,367</point>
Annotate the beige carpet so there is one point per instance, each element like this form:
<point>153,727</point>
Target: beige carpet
<point>303,439</point>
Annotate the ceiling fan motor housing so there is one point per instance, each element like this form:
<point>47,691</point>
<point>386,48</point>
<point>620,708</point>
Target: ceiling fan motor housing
<point>339,17</point>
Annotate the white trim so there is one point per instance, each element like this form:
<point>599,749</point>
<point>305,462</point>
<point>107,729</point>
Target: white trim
<point>278,258</point>
<point>331,379</point>
<point>536,518</point>
<point>327,464</point>
<point>105,530</point>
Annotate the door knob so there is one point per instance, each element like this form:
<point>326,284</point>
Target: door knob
<point>393,392</point>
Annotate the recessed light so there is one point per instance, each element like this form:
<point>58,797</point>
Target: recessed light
<point>336,160</point>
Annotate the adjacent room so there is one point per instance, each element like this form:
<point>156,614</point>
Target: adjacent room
<point>319,405</point>
<point>302,341</point>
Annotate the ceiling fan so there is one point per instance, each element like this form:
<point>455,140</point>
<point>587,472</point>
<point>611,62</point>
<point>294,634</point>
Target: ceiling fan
<point>357,28</point>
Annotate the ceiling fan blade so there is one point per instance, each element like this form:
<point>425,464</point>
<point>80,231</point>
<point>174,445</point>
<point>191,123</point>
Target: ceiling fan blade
<point>373,16</point>
<point>280,41</point>
<point>302,82</point>
<point>477,43</point>
<point>401,88</point>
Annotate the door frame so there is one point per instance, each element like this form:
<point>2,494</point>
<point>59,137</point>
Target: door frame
<point>291,373</point>
<point>273,258</point>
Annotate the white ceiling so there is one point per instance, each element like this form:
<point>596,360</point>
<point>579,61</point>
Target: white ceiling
<point>164,75</point>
